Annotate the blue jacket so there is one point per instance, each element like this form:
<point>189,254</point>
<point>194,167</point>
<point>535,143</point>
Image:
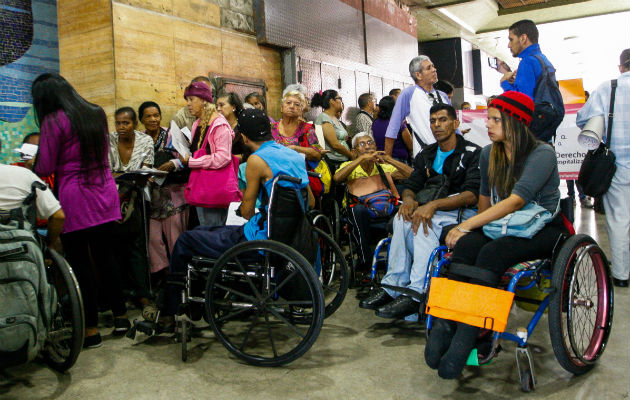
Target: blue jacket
<point>529,69</point>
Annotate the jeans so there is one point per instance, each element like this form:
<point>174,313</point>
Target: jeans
<point>618,222</point>
<point>571,190</point>
<point>409,254</point>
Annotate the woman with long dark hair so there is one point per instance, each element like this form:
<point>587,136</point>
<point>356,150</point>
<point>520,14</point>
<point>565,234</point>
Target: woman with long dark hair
<point>230,106</point>
<point>74,146</point>
<point>516,169</point>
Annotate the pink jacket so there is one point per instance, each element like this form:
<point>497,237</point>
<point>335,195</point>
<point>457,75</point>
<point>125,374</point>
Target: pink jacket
<point>220,136</point>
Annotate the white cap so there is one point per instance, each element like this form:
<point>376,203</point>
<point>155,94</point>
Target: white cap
<point>27,150</point>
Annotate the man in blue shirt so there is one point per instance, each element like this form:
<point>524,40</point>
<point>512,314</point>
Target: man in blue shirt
<point>523,43</point>
<point>418,226</point>
<point>268,160</point>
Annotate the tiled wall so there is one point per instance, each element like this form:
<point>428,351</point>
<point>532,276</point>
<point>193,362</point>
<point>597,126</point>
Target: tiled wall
<point>28,32</point>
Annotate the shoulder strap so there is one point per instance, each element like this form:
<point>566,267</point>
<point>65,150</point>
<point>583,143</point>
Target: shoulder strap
<point>611,110</point>
<point>383,177</point>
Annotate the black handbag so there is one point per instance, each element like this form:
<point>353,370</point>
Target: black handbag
<point>598,167</point>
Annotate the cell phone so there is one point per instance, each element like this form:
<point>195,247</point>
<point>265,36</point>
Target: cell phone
<point>493,62</point>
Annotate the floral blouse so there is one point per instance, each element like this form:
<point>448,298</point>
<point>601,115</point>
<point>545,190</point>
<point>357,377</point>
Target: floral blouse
<point>304,128</point>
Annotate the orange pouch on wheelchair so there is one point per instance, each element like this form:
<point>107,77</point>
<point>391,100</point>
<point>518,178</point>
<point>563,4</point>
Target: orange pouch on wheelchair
<point>474,305</point>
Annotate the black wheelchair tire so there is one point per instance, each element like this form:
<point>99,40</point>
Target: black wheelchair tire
<point>74,344</point>
<point>342,271</point>
<point>561,317</point>
<point>302,267</point>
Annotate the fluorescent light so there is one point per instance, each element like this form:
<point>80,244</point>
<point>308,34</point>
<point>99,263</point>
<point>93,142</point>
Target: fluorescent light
<point>456,19</point>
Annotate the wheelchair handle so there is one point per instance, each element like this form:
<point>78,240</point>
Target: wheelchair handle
<point>315,174</point>
<point>289,178</point>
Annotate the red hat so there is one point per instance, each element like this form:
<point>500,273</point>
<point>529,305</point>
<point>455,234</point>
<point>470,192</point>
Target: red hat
<point>199,89</point>
<point>515,104</point>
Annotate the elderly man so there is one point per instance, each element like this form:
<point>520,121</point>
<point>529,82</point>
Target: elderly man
<point>365,117</point>
<point>414,104</point>
<point>453,162</point>
<point>616,198</point>
<point>363,177</point>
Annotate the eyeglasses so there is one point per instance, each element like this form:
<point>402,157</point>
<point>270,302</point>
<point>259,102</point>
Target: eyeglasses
<point>363,144</point>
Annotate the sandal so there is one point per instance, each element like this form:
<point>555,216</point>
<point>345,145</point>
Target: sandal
<point>149,312</point>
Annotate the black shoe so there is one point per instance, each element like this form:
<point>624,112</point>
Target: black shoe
<point>375,300</point>
<point>91,342</point>
<point>399,308</point>
<point>620,282</point>
<point>121,326</point>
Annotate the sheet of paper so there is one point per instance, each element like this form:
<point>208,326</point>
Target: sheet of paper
<point>232,218</point>
<point>179,140</point>
<point>187,133</point>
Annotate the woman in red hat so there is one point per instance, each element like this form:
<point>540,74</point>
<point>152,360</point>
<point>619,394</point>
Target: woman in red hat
<point>213,135</point>
<point>516,169</point>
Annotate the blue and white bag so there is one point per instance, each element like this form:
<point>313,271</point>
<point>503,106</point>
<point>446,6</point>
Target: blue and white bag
<point>523,223</point>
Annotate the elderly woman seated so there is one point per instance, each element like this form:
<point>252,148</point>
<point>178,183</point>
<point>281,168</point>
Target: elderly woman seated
<point>371,193</point>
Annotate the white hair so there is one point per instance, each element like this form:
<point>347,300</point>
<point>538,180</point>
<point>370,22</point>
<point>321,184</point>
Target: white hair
<point>415,65</point>
<point>294,93</point>
<point>295,87</point>
<point>360,135</point>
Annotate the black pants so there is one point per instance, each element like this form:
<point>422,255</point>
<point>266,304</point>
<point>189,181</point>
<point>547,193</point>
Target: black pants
<point>96,240</point>
<point>450,343</point>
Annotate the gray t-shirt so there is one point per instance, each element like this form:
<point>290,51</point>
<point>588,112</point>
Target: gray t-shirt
<point>342,135</point>
<point>539,181</point>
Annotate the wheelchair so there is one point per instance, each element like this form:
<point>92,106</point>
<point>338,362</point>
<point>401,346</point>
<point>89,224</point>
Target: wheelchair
<point>264,301</point>
<point>574,286</point>
<point>60,303</point>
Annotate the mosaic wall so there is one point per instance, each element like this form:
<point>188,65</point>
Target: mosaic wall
<point>30,46</point>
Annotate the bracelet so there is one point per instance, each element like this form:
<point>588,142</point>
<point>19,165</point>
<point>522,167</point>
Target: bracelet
<point>462,230</point>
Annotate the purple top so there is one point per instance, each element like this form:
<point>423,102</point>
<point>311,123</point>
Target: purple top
<point>86,203</point>
<point>379,127</point>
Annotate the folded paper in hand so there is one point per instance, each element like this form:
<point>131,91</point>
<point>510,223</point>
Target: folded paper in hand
<point>179,141</point>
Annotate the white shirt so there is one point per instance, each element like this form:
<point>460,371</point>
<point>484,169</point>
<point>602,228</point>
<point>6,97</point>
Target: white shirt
<point>15,186</point>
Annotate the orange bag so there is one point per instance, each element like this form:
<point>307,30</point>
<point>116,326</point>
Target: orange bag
<point>474,305</point>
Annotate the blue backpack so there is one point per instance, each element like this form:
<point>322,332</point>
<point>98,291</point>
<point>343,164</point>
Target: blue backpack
<point>548,104</point>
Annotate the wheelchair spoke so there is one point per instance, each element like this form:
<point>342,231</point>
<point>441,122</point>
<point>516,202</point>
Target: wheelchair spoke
<point>291,303</point>
<point>236,292</point>
<point>249,330</point>
<point>273,344</point>
<point>249,280</point>
<point>281,285</point>
<point>289,324</point>
<point>231,315</point>
<point>331,289</point>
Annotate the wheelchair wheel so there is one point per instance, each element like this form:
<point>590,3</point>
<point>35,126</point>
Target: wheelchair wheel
<point>581,307</point>
<point>334,276</point>
<point>65,334</point>
<point>252,296</point>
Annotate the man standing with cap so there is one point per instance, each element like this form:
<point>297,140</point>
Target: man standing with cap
<point>616,199</point>
<point>269,159</point>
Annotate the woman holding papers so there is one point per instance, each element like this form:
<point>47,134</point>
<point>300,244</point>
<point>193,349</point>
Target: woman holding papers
<point>212,139</point>
<point>73,146</point>
<point>169,211</point>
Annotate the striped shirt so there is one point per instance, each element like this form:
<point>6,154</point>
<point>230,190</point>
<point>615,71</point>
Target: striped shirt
<point>599,103</point>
